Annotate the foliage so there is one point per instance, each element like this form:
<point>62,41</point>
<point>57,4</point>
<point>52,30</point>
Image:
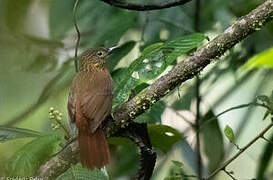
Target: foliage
<point>77,172</point>
<point>263,59</point>
<point>153,61</point>
<point>163,137</point>
<point>176,171</point>
<point>27,160</point>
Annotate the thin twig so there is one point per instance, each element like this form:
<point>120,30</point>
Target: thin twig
<point>237,146</point>
<point>260,135</point>
<point>144,7</point>
<point>78,34</point>
<point>63,127</point>
<point>242,106</point>
<point>231,109</point>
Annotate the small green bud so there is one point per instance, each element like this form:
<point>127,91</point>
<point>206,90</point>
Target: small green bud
<point>52,125</point>
<point>58,118</point>
<point>55,112</point>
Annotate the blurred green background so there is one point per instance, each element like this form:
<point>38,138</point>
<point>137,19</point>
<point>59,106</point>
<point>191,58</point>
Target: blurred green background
<point>37,41</point>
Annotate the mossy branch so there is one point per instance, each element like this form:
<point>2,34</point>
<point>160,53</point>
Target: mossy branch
<point>182,72</point>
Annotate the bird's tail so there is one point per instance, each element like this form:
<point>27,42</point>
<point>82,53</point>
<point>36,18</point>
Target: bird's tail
<point>93,148</point>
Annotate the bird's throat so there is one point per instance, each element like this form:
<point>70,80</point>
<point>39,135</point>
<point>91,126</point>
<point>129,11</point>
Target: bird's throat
<point>92,67</point>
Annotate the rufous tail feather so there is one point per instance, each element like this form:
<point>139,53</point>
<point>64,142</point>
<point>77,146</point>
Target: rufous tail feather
<point>93,148</point>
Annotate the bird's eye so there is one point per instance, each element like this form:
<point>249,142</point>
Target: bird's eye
<point>100,53</point>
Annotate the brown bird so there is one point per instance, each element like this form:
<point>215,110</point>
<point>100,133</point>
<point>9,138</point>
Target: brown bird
<point>89,103</point>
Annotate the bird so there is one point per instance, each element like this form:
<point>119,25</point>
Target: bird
<point>89,103</point>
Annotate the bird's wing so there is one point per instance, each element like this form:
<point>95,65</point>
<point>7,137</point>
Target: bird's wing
<point>96,103</point>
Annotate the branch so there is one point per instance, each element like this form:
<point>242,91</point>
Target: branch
<point>182,72</point>
<point>144,7</point>
<point>229,174</point>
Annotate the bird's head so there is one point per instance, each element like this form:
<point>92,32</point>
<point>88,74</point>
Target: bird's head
<point>94,58</point>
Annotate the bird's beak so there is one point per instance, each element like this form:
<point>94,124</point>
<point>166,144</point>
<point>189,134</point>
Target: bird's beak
<point>110,50</point>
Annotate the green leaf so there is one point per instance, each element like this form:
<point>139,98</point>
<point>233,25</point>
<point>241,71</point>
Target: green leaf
<point>163,137</point>
<point>77,172</point>
<point>126,160</point>
<point>140,87</point>
<point>182,45</point>
<point>27,160</point>
<point>229,134</point>
<point>152,62</point>
<point>118,140</point>
<point>263,59</point>
<point>11,133</point>
<point>214,149</point>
